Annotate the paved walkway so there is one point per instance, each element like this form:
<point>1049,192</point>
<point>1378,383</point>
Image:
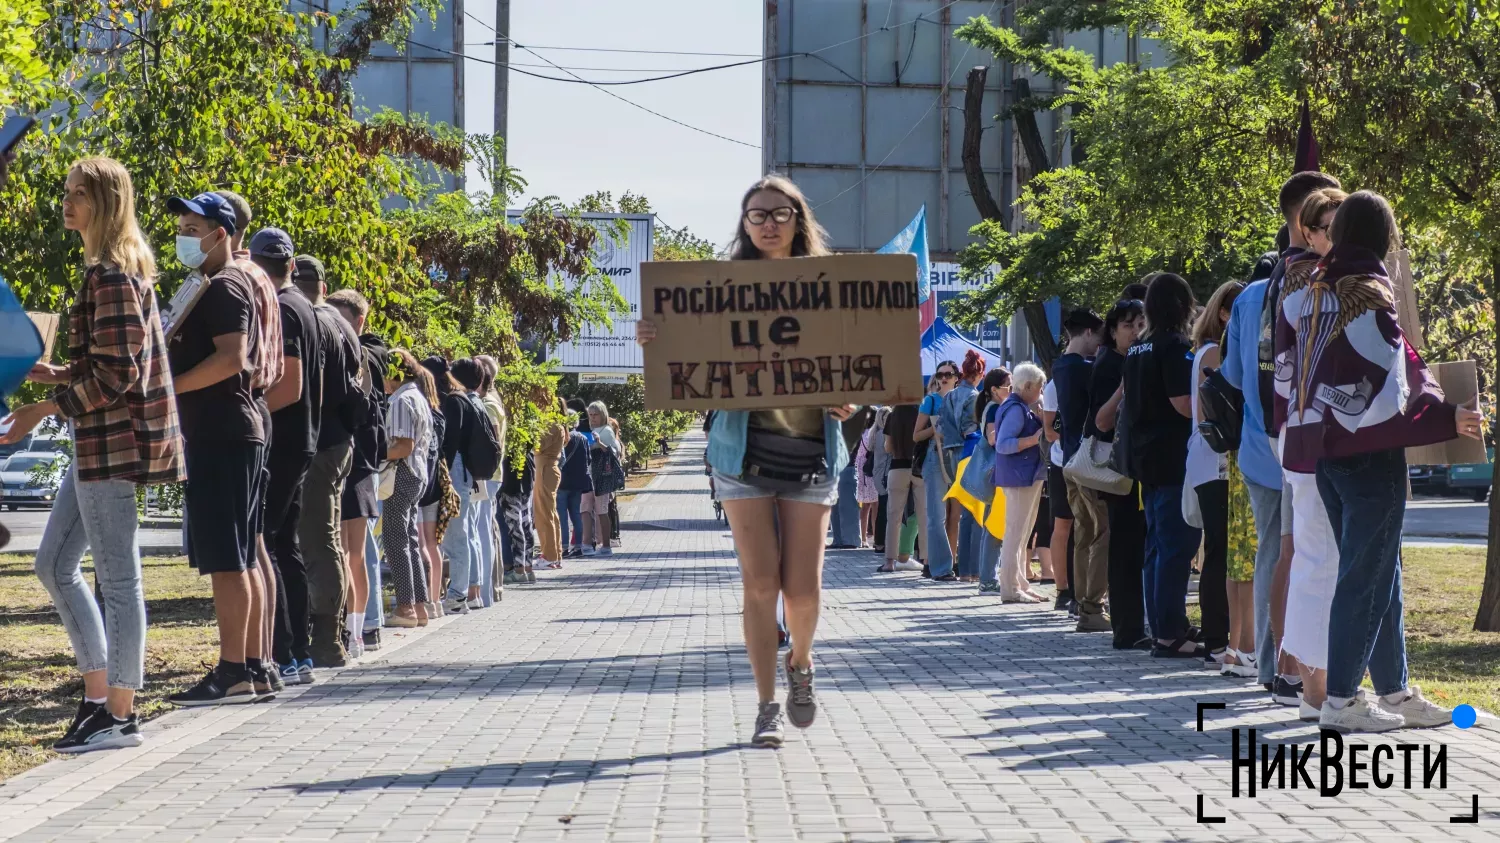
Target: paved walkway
<point>610,703</point>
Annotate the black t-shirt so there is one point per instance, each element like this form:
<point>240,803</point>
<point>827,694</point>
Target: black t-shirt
<point>1104,379</point>
<point>226,411</point>
<point>295,426</point>
<point>1157,370</point>
<point>1071,373</point>
<point>341,362</point>
<point>519,482</point>
<point>462,417</point>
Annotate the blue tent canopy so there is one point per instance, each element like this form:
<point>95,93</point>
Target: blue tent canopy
<point>942,341</point>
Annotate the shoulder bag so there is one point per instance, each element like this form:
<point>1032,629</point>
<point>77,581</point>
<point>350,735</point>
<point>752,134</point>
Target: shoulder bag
<point>1091,468</point>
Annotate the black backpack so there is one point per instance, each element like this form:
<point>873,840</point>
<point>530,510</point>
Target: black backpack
<point>482,447</point>
<point>1223,412</point>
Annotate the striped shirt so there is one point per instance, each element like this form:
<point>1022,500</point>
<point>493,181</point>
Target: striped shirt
<point>119,393</point>
<point>268,360</point>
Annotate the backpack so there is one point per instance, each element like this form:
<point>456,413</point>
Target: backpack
<point>481,449</point>
<point>434,458</point>
<point>868,466</point>
<point>1223,412</point>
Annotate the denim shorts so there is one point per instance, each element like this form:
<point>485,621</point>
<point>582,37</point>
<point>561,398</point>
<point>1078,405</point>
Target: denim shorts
<point>728,488</point>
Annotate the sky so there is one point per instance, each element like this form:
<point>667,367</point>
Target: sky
<point>569,140</point>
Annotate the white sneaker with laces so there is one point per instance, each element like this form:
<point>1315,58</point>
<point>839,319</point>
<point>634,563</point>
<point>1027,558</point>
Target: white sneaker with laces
<point>1308,713</point>
<point>908,565</point>
<point>1360,715</point>
<point>1418,712</point>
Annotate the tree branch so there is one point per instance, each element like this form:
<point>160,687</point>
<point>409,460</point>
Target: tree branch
<point>979,188</point>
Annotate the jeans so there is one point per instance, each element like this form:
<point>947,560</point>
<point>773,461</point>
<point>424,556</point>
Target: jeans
<point>935,540</point>
<point>1213,594</point>
<point>97,514</point>
<point>1265,504</point>
<point>1127,563</point>
<point>1366,500</point>
<point>969,540</point>
<point>846,512</point>
<point>1170,547</point>
<point>489,543</point>
<point>513,542</point>
<point>375,605</point>
<point>461,542</point>
<point>570,512</point>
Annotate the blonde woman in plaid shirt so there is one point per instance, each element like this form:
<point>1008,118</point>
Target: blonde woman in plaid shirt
<point>116,392</point>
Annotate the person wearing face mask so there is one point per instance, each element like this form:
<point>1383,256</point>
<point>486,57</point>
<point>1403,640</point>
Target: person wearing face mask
<point>211,356</point>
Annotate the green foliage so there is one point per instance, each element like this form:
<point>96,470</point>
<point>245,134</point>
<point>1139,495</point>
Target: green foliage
<point>20,67</point>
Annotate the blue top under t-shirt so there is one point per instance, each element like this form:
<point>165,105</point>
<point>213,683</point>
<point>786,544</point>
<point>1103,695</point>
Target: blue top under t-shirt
<point>1241,369</point>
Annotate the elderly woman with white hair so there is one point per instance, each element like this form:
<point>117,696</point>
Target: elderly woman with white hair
<point>1019,473</point>
<point>605,444</point>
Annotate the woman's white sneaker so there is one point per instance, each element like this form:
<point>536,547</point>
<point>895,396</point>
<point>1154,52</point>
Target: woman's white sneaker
<point>1359,715</point>
<point>1418,712</point>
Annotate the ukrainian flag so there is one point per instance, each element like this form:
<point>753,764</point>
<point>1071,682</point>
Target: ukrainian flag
<point>990,513</point>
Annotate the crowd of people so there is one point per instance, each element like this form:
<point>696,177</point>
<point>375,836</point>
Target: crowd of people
<point>1257,439</point>
<point>1290,509</point>
<point>299,438</point>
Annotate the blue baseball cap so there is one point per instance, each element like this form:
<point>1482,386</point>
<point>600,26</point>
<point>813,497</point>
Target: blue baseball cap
<point>210,206</point>
<point>272,243</point>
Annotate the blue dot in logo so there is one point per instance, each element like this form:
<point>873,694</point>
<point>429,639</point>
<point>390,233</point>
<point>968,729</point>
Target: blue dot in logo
<point>1464,716</point>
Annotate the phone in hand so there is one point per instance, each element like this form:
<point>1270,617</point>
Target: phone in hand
<point>14,130</point>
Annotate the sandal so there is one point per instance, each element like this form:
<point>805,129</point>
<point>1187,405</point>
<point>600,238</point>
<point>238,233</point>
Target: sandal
<point>1175,651</point>
<point>554,566</point>
<point>886,569</point>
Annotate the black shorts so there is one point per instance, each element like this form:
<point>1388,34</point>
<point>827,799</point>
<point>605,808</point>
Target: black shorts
<point>1057,494</point>
<point>360,499</point>
<point>223,491</point>
<point>1042,532</point>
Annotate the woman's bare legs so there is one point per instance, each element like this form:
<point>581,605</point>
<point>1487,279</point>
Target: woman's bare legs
<point>951,525</point>
<point>432,559</point>
<point>353,535</point>
<point>803,526</point>
<point>1241,618</point>
<point>753,525</point>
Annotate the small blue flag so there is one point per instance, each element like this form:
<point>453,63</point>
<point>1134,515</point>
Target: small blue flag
<point>913,240</point>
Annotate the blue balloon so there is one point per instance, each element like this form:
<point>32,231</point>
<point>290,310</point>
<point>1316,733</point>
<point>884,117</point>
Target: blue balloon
<point>1464,716</point>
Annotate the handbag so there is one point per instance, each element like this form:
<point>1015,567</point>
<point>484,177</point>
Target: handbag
<point>784,463</point>
<point>979,475</point>
<point>1090,467</point>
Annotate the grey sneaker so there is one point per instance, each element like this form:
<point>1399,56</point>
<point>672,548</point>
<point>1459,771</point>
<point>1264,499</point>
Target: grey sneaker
<point>1418,712</point>
<point>801,705</point>
<point>1359,715</point>
<point>768,729</point>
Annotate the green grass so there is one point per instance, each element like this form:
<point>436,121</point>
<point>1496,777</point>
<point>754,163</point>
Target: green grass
<point>39,682</point>
<point>1451,662</point>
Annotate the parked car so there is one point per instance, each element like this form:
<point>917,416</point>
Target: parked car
<point>19,482</point>
<point>1431,479</point>
<point>1473,480</point>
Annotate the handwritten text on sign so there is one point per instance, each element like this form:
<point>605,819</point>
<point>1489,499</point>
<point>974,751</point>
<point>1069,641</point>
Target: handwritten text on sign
<point>785,333</point>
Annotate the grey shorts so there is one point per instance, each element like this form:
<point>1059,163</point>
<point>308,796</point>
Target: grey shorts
<point>728,488</point>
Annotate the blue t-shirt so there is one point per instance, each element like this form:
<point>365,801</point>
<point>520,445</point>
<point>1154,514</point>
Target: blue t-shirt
<point>1071,373</point>
<point>930,405</point>
<point>1241,367</point>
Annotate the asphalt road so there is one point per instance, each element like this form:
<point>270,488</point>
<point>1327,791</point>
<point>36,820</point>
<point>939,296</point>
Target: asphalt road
<point>1440,518</point>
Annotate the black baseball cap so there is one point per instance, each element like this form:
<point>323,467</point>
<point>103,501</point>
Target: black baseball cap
<point>272,243</point>
<point>309,268</point>
<point>210,206</point>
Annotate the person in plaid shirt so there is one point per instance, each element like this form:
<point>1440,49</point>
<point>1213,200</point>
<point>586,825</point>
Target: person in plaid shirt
<point>116,392</point>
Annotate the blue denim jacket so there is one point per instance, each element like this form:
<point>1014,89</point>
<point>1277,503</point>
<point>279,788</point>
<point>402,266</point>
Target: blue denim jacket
<point>726,443</point>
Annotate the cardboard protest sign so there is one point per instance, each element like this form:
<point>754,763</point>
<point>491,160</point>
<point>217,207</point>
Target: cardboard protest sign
<point>772,334</point>
<point>46,325</point>
<point>1460,383</point>
<point>182,303</point>
<point>1398,267</point>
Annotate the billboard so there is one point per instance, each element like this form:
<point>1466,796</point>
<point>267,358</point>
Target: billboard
<point>948,285</point>
<point>611,349</point>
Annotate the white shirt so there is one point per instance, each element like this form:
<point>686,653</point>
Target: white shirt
<point>1049,405</point>
<point>411,418</point>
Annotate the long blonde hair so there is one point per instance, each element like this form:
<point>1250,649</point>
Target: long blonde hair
<point>113,230</point>
<point>810,241</point>
<point>1210,327</point>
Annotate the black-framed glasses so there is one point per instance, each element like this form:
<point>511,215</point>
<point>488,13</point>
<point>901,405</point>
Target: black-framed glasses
<point>782,215</point>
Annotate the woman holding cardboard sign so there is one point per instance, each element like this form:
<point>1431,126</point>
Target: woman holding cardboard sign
<point>776,472</point>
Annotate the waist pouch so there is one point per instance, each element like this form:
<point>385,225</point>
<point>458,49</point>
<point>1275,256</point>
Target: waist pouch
<point>773,461</point>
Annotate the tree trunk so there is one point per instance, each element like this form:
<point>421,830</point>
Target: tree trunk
<point>1034,312</point>
<point>984,200</point>
<point>1488,618</point>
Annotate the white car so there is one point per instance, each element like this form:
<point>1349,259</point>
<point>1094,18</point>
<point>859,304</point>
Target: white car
<point>19,479</point>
